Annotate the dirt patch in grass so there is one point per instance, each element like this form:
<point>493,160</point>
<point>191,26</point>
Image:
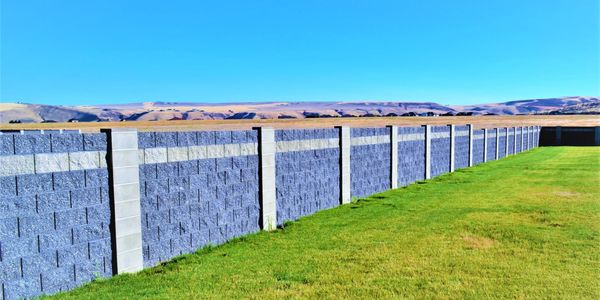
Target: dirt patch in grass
<point>477,242</point>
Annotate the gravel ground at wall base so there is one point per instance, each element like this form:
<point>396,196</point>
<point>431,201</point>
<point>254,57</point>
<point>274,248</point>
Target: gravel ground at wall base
<point>522,227</point>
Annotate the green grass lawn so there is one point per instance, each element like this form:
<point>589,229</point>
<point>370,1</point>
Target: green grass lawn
<point>523,227</point>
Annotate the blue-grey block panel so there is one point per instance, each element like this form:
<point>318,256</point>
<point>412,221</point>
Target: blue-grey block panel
<point>411,157</point>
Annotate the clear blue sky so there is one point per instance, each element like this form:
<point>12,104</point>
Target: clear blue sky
<point>451,52</point>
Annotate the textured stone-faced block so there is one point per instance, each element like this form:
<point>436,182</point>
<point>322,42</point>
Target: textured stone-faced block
<point>166,139</point>
<point>8,227</point>
<point>96,177</point>
<point>167,170</point>
<point>17,205</point>
<point>155,155</point>
<point>58,279</point>
<point>10,270</point>
<point>94,142</point>
<point>34,184</point>
<point>69,180</point>
<point>187,168</point>
<point>222,137</point>
<point>85,197</point>
<point>19,247</point>
<point>50,202</point>
<point>146,140</point>
<point>67,142</point>
<point>186,138</point>
<point>7,144</point>
<point>205,137</point>
<point>32,143</point>
<point>175,154</point>
<point>84,160</point>
<point>17,165</point>
<point>69,218</point>
<point>22,288</point>
<point>8,186</point>
<point>51,162</point>
<point>32,225</point>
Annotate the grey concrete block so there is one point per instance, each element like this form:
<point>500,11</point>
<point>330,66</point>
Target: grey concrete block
<point>50,202</point>
<point>8,186</point>
<point>7,144</point>
<point>34,184</point>
<point>69,180</point>
<point>32,143</point>
<point>67,142</point>
<point>84,160</point>
<point>94,142</point>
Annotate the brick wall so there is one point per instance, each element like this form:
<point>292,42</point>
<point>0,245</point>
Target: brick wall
<point>511,140</point>
<point>491,145</point>
<point>370,161</point>
<point>54,212</point>
<point>502,143</point>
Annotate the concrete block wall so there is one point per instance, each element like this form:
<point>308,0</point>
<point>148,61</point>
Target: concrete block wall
<point>511,140</point>
<point>370,161</point>
<point>461,147</point>
<point>502,143</point>
<point>491,144</point>
<point>54,212</point>
<point>197,188</point>
<point>411,155</point>
<point>478,146</point>
<point>64,207</point>
<point>440,150</point>
<point>519,141</point>
<point>307,172</point>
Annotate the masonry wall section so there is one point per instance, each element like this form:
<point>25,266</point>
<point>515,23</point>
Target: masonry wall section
<point>461,147</point>
<point>307,172</point>
<point>370,161</point>
<point>54,212</point>
<point>197,188</point>
<point>411,155</point>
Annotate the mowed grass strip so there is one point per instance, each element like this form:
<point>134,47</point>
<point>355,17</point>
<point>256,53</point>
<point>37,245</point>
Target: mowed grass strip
<point>523,227</point>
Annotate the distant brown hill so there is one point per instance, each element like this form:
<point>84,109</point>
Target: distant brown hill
<point>162,111</point>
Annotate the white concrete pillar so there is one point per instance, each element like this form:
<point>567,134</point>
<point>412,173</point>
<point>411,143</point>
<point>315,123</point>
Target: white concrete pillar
<point>394,156</point>
<point>485,144</point>
<point>470,144</point>
<point>427,151</point>
<point>497,144</point>
<point>266,154</point>
<point>452,145</point>
<point>124,190</point>
<point>345,143</point>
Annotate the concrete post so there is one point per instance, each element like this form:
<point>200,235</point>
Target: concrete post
<point>497,144</point>
<point>530,140</point>
<point>427,151</point>
<point>597,136</point>
<point>527,133</point>
<point>470,144</point>
<point>506,142</point>
<point>345,141</point>
<point>394,156</point>
<point>485,144</point>
<point>124,192</point>
<point>452,145</point>
<point>266,154</point>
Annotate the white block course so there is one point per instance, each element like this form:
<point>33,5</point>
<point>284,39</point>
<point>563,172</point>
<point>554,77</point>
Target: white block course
<point>84,160</point>
<point>51,162</point>
<point>370,140</point>
<point>305,145</point>
<point>14,165</point>
<point>411,137</point>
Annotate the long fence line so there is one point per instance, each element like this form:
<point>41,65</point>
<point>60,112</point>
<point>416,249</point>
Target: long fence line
<point>78,206</point>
